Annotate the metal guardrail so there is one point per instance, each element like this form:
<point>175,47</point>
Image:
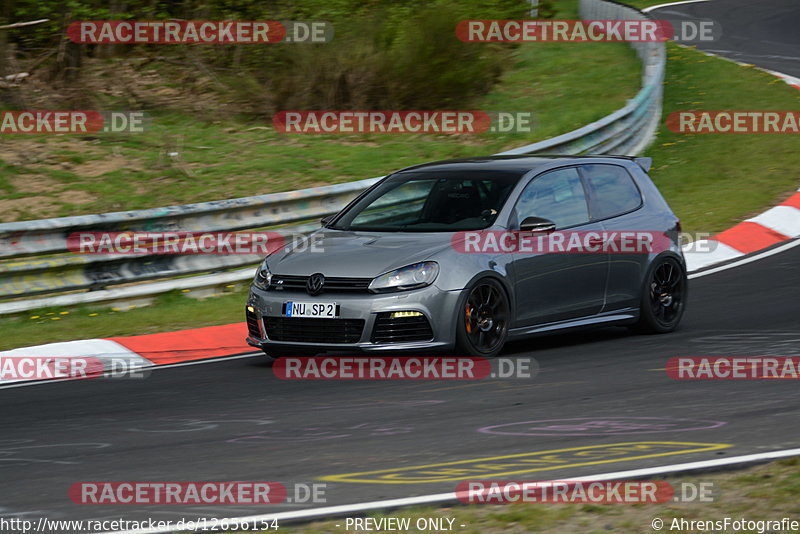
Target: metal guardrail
<point>630,129</point>
<point>26,273</point>
<point>34,259</point>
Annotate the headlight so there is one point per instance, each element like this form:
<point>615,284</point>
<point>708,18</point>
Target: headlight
<point>409,277</point>
<point>263,276</point>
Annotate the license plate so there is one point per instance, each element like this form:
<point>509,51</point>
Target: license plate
<point>324,310</point>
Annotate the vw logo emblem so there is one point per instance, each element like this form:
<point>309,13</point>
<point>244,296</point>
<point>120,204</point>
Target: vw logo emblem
<point>315,284</point>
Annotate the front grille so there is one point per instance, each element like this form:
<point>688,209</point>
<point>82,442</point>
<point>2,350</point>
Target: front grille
<point>401,329</point>
<point>312,330</point>
<point>333,284</point>
<point>252,324</point>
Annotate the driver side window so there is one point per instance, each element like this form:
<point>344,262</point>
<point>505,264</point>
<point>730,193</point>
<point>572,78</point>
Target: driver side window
<point>556,195</point>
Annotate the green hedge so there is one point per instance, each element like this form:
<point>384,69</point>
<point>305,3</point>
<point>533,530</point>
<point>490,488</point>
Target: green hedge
<point>386,54</point>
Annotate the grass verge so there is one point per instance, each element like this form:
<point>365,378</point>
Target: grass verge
<point>641,4</point>
<point>711,181</point>
<point>170,311</point>
<point>185,157</point>
<point>765,492</point>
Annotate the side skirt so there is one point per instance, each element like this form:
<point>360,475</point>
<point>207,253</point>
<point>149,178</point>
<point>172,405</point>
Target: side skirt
<point>624,316</point>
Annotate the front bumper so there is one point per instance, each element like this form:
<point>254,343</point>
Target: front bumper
<point>438,306</point>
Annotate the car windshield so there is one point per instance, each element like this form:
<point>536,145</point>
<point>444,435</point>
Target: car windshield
<point>430,202</point>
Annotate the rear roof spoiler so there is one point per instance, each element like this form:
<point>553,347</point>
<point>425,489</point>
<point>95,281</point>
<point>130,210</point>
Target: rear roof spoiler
<point>644,163</point>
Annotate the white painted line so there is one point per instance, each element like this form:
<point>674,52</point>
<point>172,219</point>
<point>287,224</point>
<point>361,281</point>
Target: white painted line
<point>150,368</point>
<point>358,508</point>
<point>659,6</point>
<point>791,80</point>
<point>708,252</point>
<point>105,350</point>
<point>788,78</point>
<point>783,219</point>
<point>219,359</point>
<point>749,259</point>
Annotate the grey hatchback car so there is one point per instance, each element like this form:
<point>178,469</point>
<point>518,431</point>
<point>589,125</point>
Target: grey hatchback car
<point>464,255</point>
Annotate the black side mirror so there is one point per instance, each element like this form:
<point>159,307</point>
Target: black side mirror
<point>325,220</point>
<point>537,224</point>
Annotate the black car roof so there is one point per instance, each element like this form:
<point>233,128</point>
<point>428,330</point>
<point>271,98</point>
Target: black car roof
<point>520,163</point>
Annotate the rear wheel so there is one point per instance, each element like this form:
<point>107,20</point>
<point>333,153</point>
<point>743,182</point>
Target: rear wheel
<point>483,319</point>
<point>663,297</point>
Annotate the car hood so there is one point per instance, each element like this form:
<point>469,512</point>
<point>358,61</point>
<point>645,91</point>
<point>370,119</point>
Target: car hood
<point>357,254</point>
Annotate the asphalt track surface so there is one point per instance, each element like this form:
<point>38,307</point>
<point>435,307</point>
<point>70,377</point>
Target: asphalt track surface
<point>234,420</point>
<point>762,32</point>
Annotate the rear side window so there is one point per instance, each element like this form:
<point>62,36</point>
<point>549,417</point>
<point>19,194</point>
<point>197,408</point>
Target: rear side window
<point>613,189</point>
<point>557,196</point>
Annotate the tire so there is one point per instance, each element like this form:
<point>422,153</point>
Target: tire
<point>482,319</point>
<point>663,299</point>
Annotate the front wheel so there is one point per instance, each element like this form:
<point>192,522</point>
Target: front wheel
<point>663,298</point>
<point>483,317</point>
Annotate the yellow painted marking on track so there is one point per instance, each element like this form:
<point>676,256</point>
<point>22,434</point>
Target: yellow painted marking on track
<point>513,464</point>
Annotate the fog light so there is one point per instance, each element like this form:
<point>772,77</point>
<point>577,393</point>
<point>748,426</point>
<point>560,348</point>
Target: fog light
<point>396,315</point>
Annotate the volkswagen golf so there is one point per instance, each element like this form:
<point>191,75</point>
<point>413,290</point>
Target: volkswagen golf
<point>464,255</point>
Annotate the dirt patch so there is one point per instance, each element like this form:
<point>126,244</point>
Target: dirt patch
<point>83,158</point>
<point>40,206</point>
<point>144,84</point>
<point>98,167</point>
<point>36,207</point>
<point>75,196</point>
<point>25,151</point>
<point>33,183</point>
<point>21,151</point>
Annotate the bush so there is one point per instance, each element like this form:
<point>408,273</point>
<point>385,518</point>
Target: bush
<point>383,62</point>
<point>386,54</point>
